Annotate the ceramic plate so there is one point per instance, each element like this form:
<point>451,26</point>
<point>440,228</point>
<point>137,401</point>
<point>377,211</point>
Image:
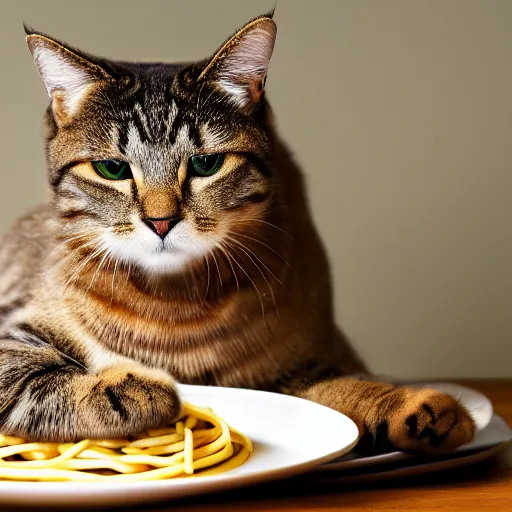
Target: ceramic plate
<point>408,471</point>
<point>495,433</point>
<point>290,436</point>
<point>479,406</point>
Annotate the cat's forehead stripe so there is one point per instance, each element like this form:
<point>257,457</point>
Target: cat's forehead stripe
<point>141,122</point>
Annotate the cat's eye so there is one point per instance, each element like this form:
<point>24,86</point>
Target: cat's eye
<point>205,165</point>
<point>113,169</point>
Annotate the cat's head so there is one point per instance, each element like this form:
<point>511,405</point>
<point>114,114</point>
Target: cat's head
<point>157,165</point>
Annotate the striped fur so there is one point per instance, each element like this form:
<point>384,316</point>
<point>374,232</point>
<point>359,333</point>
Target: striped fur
<point>99,317</point>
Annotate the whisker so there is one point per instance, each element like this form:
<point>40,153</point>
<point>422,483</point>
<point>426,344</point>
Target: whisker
<point>261,272</point>
<point>258,258</point>
<point>266,245</point>
<point>75,237</point>
<point>128,272</point>
<point>65,242</point>
<point>218,269</point>
<point>226,254</point>
<point>194,282</point>
<point>249,221</point>
<point>113,279</point>
<point>84,264</point>
<point>188,289</point>
<point>208,278</point>
<point>254,284</point>
<point>105,256</point>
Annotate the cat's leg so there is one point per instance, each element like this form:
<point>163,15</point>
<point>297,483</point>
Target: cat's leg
<point>46,395</point>
<point>409,419</point>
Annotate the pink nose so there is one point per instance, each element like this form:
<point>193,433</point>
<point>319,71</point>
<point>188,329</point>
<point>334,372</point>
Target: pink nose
<point>162,226</point>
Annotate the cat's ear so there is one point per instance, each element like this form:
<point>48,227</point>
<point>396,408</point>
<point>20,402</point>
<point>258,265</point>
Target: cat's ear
<point>240,65</point>
<point>68,75</point>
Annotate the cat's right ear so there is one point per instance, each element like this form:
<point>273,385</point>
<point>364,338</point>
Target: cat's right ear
<point>68,75</point>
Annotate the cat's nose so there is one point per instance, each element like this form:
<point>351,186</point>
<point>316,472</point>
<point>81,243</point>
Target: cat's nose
<point>162,226</point>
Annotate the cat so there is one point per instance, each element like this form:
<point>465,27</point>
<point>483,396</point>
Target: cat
<point>177,245</point>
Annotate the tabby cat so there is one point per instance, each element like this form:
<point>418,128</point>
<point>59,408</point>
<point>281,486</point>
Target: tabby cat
<point>177,246</point>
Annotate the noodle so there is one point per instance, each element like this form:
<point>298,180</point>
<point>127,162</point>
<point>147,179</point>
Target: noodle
<point>199,444</point>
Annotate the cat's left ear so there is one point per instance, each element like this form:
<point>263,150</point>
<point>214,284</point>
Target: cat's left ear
<point>69,75</point>
<point>240,66</point>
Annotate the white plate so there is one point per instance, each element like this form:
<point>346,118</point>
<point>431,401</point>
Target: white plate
<point>496,432</point>
<point>479,406</point>
<point>416,470</point>
<point>290,436</point>
<point>354,460</point>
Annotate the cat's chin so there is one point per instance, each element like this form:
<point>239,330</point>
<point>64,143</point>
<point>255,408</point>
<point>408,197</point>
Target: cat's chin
<point>162,263</point>
<point>165,263</point>
<point>146,251</point>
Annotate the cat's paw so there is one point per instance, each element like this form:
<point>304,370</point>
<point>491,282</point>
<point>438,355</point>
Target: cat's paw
<point>125,400</point>
<point>429,421</point>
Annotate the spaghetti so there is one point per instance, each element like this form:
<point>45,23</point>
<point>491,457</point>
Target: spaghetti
<point>199,444</point>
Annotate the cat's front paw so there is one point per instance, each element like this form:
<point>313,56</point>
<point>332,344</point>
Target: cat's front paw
<point>127,400</point>
<point>429,421</point>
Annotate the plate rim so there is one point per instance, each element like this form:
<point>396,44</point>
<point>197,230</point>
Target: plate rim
<point>398,456</point>
<point>417,470</point>
<point>441,382</point>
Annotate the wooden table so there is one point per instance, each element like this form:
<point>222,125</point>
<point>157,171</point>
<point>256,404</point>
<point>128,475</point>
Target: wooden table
<point>487,486</point>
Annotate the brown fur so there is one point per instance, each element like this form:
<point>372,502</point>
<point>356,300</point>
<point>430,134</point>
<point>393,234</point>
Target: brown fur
<point>90,341</point>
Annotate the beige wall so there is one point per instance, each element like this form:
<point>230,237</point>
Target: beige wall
<point>401,114</point>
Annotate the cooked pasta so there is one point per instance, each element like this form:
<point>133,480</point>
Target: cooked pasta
<point>199,444</point>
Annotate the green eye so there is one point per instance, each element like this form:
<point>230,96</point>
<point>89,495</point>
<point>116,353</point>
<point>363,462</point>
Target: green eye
<point>113,169</point>
<point>206,165</point>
